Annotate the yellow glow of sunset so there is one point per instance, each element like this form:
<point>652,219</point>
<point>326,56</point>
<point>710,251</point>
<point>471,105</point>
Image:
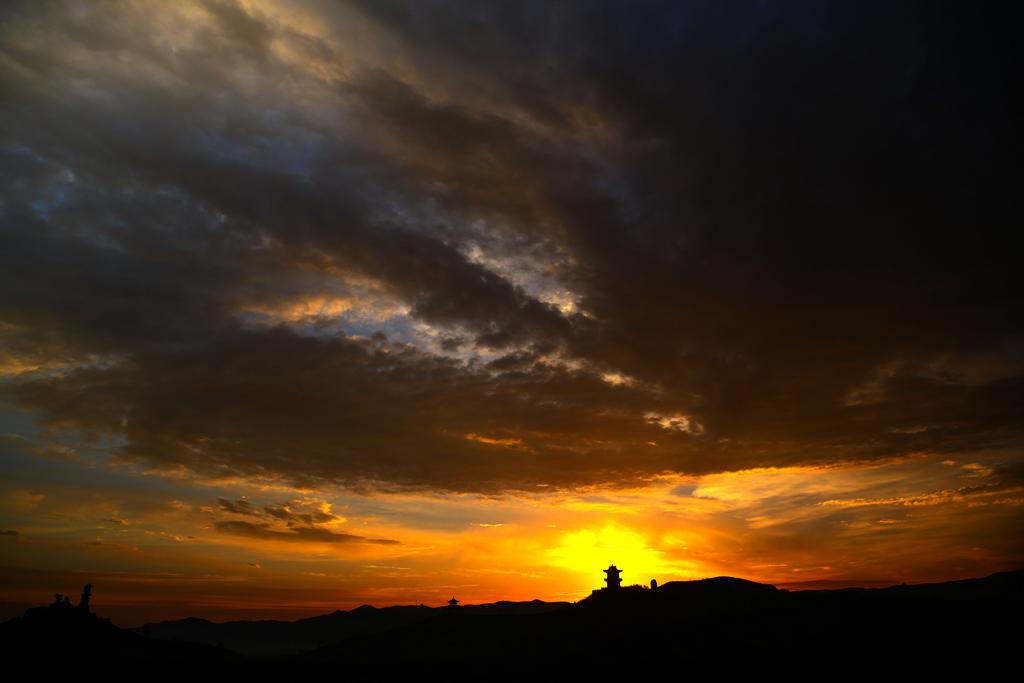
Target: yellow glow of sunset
<point>585,550</point>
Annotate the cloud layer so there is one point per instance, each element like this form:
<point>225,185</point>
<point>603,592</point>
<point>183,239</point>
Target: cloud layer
<point>496,248</point>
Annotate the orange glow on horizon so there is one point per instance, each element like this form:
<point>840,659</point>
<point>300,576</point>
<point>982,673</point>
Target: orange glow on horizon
<point>251,553</point>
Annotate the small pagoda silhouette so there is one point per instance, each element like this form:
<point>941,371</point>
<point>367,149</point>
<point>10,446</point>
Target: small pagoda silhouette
<point>612,578</point>
<point>453,605</point>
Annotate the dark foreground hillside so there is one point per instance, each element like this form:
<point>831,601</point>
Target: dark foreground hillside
<point>719,626</point>
<point>716,626</point>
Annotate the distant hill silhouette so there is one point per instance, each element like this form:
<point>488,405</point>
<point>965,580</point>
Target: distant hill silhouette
<point>717,626</point>
<point>270,637</point>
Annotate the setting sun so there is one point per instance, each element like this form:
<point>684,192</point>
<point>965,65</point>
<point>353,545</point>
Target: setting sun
<point>586,550</point>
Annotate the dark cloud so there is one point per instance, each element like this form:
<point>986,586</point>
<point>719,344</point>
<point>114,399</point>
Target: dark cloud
<point>239,507</point>
<point>303,520</point>
<point>780,233</point>
<point>314,534</point>
<point>287,514</point>
<point>355,412</point>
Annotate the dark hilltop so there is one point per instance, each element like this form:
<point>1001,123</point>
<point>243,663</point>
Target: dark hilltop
<point>719,624</point>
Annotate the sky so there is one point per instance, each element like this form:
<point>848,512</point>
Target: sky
<point>310,304</point>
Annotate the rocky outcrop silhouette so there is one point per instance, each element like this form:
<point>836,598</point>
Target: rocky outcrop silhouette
<point>83,602</point>
<point>59,633</point>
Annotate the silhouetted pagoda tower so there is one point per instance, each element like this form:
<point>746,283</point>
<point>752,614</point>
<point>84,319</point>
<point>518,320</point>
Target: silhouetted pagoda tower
<point>613,580</point>
<point>453,605</point>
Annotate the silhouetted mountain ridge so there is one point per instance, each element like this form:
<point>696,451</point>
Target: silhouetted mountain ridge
<point>712,625</point>
<point>272,637</point>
